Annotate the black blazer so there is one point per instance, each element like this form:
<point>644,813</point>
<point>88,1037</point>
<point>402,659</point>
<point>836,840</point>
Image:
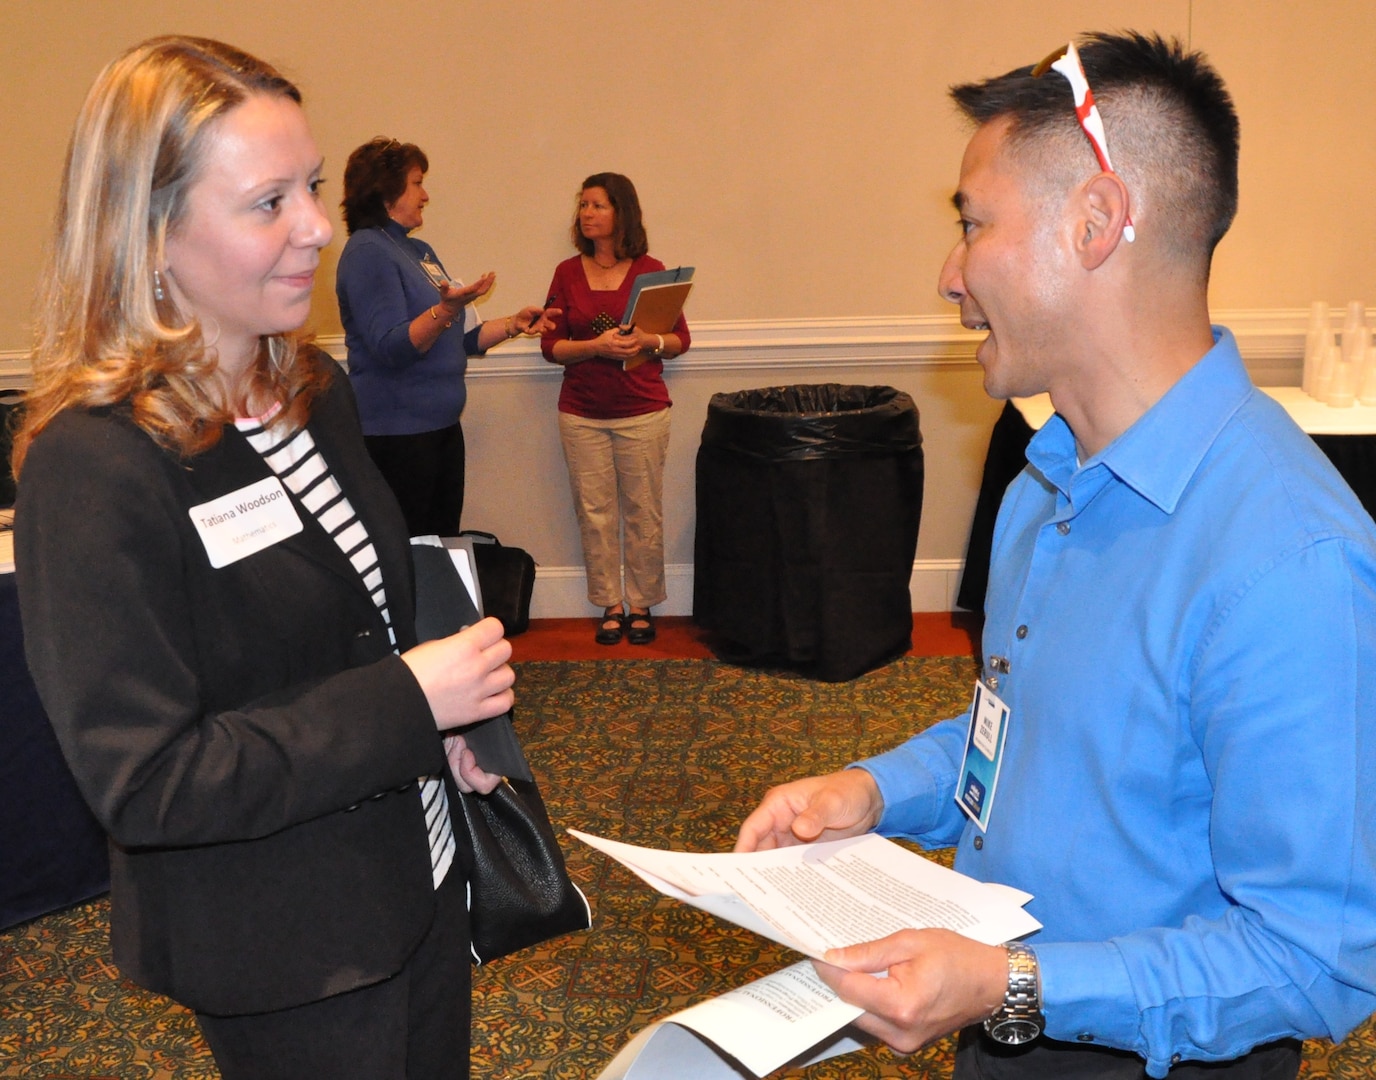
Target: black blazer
<point>245,735</point>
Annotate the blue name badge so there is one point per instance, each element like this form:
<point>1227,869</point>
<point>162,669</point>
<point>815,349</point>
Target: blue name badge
<point>979,771</point>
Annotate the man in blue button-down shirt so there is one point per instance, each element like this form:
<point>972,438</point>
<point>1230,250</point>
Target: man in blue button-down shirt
<point>1181,621</point>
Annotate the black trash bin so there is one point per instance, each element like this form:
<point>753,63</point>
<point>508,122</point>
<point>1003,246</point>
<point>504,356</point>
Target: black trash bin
<point>808,504</point>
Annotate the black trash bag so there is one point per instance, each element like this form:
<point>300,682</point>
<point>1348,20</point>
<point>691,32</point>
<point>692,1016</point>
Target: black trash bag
<point>808,505</point>
<point>800,423</point>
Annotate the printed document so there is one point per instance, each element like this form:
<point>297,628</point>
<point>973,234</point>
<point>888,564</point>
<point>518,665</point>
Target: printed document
<point>811,898</point>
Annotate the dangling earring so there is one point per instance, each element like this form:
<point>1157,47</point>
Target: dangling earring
<point>158,293</point>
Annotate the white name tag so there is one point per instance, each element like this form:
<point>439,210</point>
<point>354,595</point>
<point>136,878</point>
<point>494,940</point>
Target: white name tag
<point>435,273</point>
<point>246,521</point>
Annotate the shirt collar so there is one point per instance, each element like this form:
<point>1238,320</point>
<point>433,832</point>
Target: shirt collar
<point>1159,455</point>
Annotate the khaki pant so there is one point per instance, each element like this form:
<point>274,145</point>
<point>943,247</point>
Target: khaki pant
<point>616,472</point>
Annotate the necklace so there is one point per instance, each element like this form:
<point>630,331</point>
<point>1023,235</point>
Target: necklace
<point>604,265</point>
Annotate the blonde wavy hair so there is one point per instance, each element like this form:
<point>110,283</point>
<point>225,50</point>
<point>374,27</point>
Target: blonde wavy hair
<point>101,336</point>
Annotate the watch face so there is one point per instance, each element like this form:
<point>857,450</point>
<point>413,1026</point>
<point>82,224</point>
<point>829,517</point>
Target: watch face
<point>1015,1032</point>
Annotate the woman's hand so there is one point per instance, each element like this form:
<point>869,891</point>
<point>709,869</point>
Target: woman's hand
<point>533,321</point>
<point>614,345</point>
<point>646,343</point>
<point>465,677</point>
<point>426,327</point>
<point>454,296</point>
<point>465,768</point>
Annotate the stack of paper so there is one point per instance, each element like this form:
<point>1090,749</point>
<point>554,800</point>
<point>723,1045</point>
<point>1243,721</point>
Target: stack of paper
<point>810,898</point>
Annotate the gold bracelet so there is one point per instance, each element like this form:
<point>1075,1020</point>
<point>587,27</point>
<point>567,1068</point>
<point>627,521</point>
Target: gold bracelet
<point>509,332</point>
<point>448,323</point>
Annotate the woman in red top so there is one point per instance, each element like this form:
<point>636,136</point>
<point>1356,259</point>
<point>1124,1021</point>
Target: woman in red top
<point>613,422</point>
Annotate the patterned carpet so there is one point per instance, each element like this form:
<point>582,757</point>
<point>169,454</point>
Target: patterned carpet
<point>665,752</point>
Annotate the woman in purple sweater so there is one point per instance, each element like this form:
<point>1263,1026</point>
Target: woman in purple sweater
<point>410,328</point>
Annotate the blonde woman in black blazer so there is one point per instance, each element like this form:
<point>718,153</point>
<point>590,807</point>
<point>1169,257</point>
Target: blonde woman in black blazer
<point>225,643</point>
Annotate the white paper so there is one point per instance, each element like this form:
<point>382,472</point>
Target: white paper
<point>749,1032</point>
<point>815,897</point>
<point>459,557</point>
<point>811,898</point>
<point>773,1020</point>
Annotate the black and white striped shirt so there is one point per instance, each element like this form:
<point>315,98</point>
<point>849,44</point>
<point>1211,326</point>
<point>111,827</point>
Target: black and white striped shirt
<point>296,460</point>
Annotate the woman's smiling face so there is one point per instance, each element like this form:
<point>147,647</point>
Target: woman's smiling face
<point>242,257</point>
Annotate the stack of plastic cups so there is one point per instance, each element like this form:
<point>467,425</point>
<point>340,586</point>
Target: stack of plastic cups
<point>1329,359</point>
<point>1366,385</point>
<point>1342,390</point>
<point>1316,342</point>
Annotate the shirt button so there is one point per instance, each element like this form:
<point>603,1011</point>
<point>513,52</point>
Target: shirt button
<point>1063,527</point>
<point>979,843</point>
<point>1022,632</point>
<point>1175,1059</point>
<point>1084,1036</point>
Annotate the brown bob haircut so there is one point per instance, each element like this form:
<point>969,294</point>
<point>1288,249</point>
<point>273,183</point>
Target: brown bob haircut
<point>374,178</point>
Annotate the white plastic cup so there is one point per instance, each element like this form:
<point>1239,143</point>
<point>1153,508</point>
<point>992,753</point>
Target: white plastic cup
<point>1366,384</point>
<point>1316,339</point>
<point>1342,392</point>
<point>1323,380</point>
<point>1354,331</point>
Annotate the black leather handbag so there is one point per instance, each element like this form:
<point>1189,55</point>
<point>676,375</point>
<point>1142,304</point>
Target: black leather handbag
<point>507,578</point>
<point>519,891</point>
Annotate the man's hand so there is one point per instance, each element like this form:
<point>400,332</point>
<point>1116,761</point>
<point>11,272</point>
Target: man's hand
<point>829,807</point>
<point>938,982</point>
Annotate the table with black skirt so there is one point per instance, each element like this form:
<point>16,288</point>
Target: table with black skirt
<point>52,851</point>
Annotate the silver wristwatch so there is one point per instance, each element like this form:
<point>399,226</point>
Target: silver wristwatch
<point>1020,1020</point>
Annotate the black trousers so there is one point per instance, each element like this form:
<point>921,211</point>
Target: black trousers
<point>425,473</point>
<point>413,1026</point>
<point>979,1057</point>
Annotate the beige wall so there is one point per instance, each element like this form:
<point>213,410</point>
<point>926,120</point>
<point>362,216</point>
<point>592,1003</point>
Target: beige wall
<point>801,155</point>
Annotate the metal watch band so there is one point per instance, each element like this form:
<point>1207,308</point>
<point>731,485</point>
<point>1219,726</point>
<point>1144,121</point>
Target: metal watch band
<point>1020,1019</point>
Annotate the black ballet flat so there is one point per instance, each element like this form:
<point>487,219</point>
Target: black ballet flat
<point>608,634</point>
<point>640,635</point>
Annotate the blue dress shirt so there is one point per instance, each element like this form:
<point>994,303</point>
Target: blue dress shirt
<point>381,288</point>
<point>1189,625</point>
